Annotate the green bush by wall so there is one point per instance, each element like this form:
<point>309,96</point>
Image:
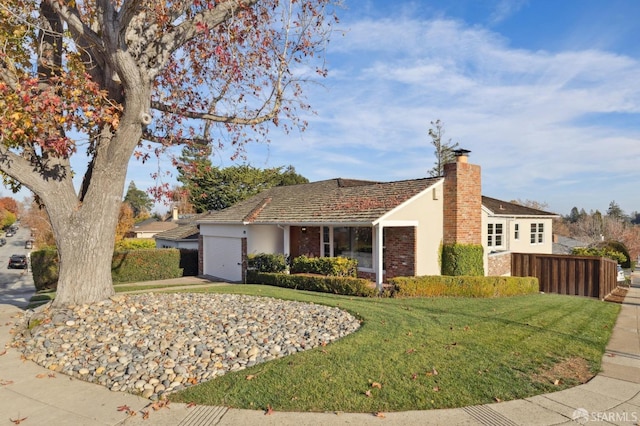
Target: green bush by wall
<point>463,286</point>
<point>330,266</point>
<point>337,285</point>
<point>265,262</point>
<point>462,259</point>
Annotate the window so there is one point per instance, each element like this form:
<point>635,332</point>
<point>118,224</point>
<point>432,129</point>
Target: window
<point>537,233</point>
<point>494,234</point>
<point>346,241</point>
<point>516,231</point>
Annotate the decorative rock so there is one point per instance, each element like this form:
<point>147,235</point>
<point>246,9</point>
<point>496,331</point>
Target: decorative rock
<point>152,344</point>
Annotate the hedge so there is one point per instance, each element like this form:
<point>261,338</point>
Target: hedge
<point>330,266</point>
<point>347,286</point>
<point>463,286</point>
<point>265,262</point>
<point>462,259</point>
<point>44,267</point>
<point>145,265</point>
<point>126,266</point>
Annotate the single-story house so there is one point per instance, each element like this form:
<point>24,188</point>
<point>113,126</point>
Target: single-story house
<point>184,236</point>
<point>391,228</point>
<point>150,227</point>
<point>565,245</point>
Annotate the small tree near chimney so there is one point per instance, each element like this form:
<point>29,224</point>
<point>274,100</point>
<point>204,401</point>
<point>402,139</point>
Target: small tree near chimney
<point>444,150</point>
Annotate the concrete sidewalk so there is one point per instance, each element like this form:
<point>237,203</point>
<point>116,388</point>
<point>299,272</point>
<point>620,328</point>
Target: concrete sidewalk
<point>38,396</point>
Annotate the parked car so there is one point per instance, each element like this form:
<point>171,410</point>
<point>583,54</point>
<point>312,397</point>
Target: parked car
<point>2,242</point>
<point>10,233</point>
<point>621,276</point>
<point>18,261</point>
<point>28,244</point>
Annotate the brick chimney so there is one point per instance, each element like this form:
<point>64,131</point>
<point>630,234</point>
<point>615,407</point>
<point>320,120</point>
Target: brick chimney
<point>462,201</point>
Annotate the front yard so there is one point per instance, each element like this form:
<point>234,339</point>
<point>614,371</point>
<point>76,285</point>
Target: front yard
<point>418,354</point>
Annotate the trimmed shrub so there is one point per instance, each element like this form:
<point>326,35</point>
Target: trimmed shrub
<point>330,266</point>
<point>128,266</point>
<point>337,285</point>
<point>463,286</point>
<point>44,267</point>
<point>145,265</point>
<point>264,262</point>
<point>462,259</point>
<point>135,244</point>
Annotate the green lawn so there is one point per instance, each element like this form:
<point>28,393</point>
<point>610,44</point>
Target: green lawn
<point>417,354</point>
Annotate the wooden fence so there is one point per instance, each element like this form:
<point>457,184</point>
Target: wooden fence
<point>574,275</point>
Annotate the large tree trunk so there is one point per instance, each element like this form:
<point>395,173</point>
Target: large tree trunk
<point>85,240</point>
<point>85,232</point>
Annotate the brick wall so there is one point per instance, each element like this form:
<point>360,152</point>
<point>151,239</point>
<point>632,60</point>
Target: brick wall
<point>309,242</point>
<point>462,200</point>
<point>400,251</point>
<point>499,264</point>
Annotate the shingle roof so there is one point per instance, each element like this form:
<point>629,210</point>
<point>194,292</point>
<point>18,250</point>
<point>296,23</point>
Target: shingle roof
<point>329,201</point>
<point>184,232</point>
<point>155,226</point>
<point>504,208</point>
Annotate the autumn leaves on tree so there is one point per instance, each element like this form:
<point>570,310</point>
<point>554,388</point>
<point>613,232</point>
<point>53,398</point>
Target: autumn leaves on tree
<point>110,80</point>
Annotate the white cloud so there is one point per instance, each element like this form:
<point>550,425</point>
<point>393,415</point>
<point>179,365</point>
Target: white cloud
<point>519,111</point>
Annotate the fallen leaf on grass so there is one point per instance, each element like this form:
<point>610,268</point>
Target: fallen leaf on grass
<point>410,351</point>
<point>269,411</point>
<point>496,399</point>
<point>250,377</point>
<point>368,393</point>
<point>18,421</point>
<point>557,382</point>
<point>376,385</point>
<point>414,376</point>
<point>379,415</point>
<point>433,372</point>
<point>436,388</point>
<point>191,404</point>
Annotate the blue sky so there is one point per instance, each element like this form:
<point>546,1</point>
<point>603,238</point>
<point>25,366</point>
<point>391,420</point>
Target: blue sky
<point>545,94</point>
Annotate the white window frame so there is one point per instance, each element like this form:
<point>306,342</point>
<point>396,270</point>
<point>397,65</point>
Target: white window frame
<point>537,233</point>
<point>495,234</point>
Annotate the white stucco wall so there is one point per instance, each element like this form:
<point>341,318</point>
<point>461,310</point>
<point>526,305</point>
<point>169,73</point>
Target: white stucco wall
<point>427,210</point>
<point>265,239</point>
<point>523,243</point>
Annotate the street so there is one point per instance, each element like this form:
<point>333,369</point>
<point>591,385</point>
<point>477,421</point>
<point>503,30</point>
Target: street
<point>16,285</point>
